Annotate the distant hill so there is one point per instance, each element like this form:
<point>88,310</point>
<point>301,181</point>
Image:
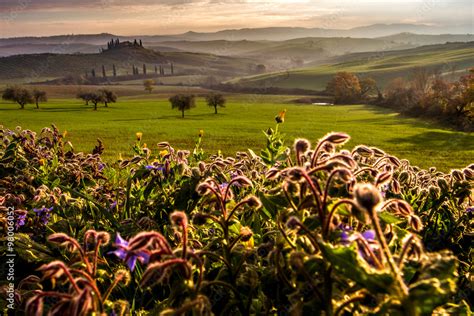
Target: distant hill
<point>426,39</point>
<point>286,33</point>
<point>450,59</point>
<point>39,67</point>
<point>286,54</point>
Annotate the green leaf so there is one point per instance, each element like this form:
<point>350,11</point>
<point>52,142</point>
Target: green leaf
<point>436,282</point>
<point>348,263</point>
<point>389,218</point>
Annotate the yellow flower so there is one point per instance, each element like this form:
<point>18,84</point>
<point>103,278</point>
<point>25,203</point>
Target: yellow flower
<point>163,153</point>
<point>144,145</point>
<point>139,136</point>
<point>201,133</point>
<point>64,134</point>
<point>280,118</point>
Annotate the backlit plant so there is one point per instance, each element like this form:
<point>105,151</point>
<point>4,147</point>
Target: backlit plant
<point>312,229</point>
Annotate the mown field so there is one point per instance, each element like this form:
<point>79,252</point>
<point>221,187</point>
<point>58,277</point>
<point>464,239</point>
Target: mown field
<point>239,126</point>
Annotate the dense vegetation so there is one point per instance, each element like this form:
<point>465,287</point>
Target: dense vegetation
<point>310,229</point>
<point>426,95</point>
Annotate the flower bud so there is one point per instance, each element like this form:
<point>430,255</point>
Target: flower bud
<point>336,138</point>
<point>179,218</point>
<point>302,145</point>
<point>367,196</point>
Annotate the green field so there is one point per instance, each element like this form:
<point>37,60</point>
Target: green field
<point>381,66</point>
<point>239,126</point>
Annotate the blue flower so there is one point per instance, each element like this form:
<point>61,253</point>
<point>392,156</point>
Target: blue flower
<point>43,214</point>
<point>369,235</point>
<point>130,257</point>
<point>155,167</point>
<point>470,209</point>
<point>20,220</point>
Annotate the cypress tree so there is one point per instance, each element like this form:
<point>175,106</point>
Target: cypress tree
<point>93,73</point>
<point>114,70</point>
<point>103,72</point>
<point>144,69</point>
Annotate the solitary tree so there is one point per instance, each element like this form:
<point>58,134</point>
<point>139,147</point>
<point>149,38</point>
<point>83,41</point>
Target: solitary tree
<point>215,100</point>
<point>109,96</point>
<point>261,68</point>
<point>39,96</point>
<point>183,102</point>
<point>148,84</point>
<point>19,95</point>
<point>345,87</point>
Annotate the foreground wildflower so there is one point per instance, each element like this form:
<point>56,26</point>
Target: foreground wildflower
<point>43,214</point>
<point>130,257</point>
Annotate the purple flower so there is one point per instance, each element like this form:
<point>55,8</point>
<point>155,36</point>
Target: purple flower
<point>369,235</point>
<point>470,209</point>
<point>101,166</point>
<point>155,167</point>
<point>345,234</point>
<point>43,214</point>
<point>130,257</point>
<point>20,220</point>
<point>113,205</point>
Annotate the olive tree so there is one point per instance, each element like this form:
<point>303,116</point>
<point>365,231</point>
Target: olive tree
<point>19,95</point>
<point>215,100</point>
<point>183,102</point>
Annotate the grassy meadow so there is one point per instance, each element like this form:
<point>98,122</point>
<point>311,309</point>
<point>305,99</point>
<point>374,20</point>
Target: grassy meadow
<point>238,126</point>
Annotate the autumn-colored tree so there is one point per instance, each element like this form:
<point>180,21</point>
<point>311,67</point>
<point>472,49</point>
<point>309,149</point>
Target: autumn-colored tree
<point>215,100</point>
<point>261,68</point>
<point>368,86</point>
<point>19,95</point>
<point>183,102</point>
<point>148,84</point>
<point>345,87</point>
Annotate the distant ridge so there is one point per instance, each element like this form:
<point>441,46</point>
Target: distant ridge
<point>267,33</point>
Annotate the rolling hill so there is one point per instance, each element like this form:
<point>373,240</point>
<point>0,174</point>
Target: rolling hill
<point>40,67</point>
<point>382,66</point>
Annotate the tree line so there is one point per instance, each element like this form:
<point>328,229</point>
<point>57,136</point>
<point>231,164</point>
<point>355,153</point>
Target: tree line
<point>425,94</point>
<point>160,70</point>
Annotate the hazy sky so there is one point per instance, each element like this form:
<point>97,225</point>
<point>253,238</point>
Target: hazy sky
<point>130,17</point>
